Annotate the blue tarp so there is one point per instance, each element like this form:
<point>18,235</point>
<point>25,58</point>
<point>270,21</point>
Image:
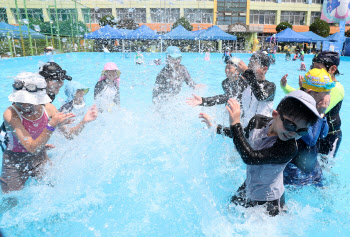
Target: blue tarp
<point>15,33</point>
<point>106,32</point>
<point>179,33</point>
<point>333,38</point>
<point>289,35</point>
<point>215,33</point>
<point>315,37</point>
<point>142,33</point>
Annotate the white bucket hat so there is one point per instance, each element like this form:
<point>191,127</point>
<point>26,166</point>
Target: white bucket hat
<point>24,96</point>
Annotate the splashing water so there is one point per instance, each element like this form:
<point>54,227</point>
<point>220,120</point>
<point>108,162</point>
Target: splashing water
<point>156,170</point>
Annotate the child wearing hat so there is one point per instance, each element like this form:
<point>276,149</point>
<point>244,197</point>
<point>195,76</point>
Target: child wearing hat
<point>30,121</point>
<point>266,146</point>
<point>106,92</point>
<point>304,169</point>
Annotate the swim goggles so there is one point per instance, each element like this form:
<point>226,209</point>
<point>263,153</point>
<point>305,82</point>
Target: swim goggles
<point>19,85</point>
<point>292,127</point>
<point>56,75</point>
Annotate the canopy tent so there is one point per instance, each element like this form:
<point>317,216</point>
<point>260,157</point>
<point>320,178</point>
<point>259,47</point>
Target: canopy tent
<point>142,33</point>
<point>106,32</point>
<point>179,33</point>
<point>15,32</point>
<point>196,33</point>
<point>314,37</point>
<point>333,38</point>
<point>289,35</point>
<point>215,33</point>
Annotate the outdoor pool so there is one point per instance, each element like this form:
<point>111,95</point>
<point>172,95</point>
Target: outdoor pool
<point>138,171</point>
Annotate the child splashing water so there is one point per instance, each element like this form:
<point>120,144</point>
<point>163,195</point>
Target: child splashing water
<point>30,121</point>
<point>75,103</point>
<point>106,91</point>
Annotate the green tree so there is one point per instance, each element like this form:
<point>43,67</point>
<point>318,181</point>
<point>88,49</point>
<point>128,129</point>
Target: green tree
<point>127,23</point>
<point>184,22</point>
<point>282,26</point>
<point>320,28</point>
<point>108,20</point>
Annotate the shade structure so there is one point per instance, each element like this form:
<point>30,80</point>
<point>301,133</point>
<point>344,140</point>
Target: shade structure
<point>196,33</point>
<point>179,33</point>
<point>106,32</point>
<point>142,33</point>
<point>215,33</point>
<point>15,32</point>
<point>314,37</point>
<point>333,38</point>
<point>289,35</point>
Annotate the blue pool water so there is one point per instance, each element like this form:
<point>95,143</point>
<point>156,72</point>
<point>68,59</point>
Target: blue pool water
<point>137,171</point>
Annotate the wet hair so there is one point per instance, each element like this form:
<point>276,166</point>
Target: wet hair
<point>295,109</point>
<point>261,58</point>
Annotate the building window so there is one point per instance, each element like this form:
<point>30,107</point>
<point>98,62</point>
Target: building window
<point>294,1</point>
<point>199,15</point>
<point>314,16</point>
<point>262,17</point>
<point>294,18</point>
<point>94,15</point>
<point>3,15</point>
<point>165,15</point>
<point>63,14</point>
<point>231,12</point>
<point>137,14</point>
<point>33,13</point>
<point>317,1</point>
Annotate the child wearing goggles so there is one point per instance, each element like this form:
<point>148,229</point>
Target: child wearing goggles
<point>266,145</point>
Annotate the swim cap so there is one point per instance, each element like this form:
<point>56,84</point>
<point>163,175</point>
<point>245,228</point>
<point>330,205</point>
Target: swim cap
<point>318,80</point>
<point>53,71</point>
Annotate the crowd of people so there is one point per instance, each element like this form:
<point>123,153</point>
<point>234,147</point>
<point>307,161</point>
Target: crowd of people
<point>278,146</point>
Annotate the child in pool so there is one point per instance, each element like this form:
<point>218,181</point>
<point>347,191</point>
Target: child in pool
<point>302,67</point>
<point>106,91</point>
<point>30,121</point>
<point>75,103</point>
<point>266,145</point>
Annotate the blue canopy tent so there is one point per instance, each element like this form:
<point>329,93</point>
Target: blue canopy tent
<point>289,35</point>
<point>106,32</point>
<point>179,33</point>
<point>333,38</point>
<point>196,33</point>
<point>314,37</point>
<point>142,33</point>
<point>15,32</point>
<point>214,33</point>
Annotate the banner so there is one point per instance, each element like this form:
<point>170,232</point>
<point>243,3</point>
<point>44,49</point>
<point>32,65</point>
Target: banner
<point>334,11</point>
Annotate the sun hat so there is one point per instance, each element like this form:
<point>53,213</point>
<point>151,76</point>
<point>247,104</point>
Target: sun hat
<point>304,98</point>
<point>110,67</point>
<point>72,87</point>
<point>24,96</point>
<point>318,80</point>
<point>173,52</point>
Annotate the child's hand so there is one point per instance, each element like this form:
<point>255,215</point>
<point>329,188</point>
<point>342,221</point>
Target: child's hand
<point>196,100</point>
<point>234,111</point>
<point>323,104</point>
<point>90,115</point>
<point>284,80</point>
<point>242,67</point>
<point>206,119</point>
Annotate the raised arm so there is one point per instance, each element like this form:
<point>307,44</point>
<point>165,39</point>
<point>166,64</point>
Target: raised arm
<point>265,91</point>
